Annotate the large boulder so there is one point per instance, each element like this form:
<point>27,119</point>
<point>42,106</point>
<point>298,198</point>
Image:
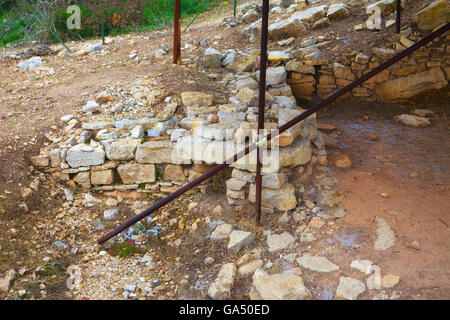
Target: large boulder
<point>432,16</point>
<point>281,286</point>
<point>411,85</point>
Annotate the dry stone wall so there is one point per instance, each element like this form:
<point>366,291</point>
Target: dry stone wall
<point>312,74</point>
<point>108,150</point>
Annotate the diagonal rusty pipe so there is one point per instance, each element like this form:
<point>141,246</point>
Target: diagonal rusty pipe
<point>280,130</point>
<point>262,104</point>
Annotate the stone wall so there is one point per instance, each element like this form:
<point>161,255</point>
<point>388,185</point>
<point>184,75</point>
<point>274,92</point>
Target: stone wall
<point>426,69</point>
<point>126,154</point>
<point>311,72</point>
<point>119,146</point>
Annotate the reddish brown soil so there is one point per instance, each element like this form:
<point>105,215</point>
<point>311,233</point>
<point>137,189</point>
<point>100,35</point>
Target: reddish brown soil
<point>417,209</point>
<point>412,165</point>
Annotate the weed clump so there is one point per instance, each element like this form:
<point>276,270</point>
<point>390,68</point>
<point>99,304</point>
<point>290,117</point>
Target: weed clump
<point>123,250</point>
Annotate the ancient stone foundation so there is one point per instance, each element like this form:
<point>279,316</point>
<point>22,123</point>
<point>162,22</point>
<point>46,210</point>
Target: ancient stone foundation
<point>137,155</point>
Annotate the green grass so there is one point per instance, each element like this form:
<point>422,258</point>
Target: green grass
<point>10,29</point>
<point>156,14</point>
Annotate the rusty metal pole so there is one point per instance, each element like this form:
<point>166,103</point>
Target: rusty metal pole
<point>280,130</point>
<point>177,34</point>
<point>262,105</point>
<point>399,14</point>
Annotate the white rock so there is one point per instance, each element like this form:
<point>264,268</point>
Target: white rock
<point>212,58</point>
<point>249,268</point>
<point>69,195</point>
<point>31,64</point>
<point>350,288</point>
<point>6,281</point>
<point>246,83</point>
<point>316,263</point>
<point>138,132</point>
<point>412,120</point>
<point>178,133</point>
<point>292,27</point>
<point>276,75</point>
<point>220,289</point>
<point>279,242</point>
<point>385,235</point>
<point>282,286</point>
<point>110,214</point>
<point>285,102</point>
<point>236,184</point>
<point>79,156</point>
<point>218,210</point>
<point>364,266</point>
<point>67,117</point>
<point>121,149</point>
<point>239,239</point>
<point>91,106</point>
<point>222,232</point>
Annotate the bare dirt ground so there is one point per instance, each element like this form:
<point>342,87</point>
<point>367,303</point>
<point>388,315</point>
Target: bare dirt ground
<point>410,164</point>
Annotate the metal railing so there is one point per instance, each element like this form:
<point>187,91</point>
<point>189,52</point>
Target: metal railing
<point>327,101</point>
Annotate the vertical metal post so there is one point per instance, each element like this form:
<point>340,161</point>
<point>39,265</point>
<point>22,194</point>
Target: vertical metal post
<point>399,14</point>
<point>325,102</point>
<point>234,9</point>
<point>262,104</point>
<point>177,34</point>
<point>103,23</point>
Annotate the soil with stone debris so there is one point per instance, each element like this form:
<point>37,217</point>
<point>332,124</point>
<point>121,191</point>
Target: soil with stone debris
<point>398,173</point>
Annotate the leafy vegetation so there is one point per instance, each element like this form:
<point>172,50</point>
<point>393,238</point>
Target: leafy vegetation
<point>45,20</point>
